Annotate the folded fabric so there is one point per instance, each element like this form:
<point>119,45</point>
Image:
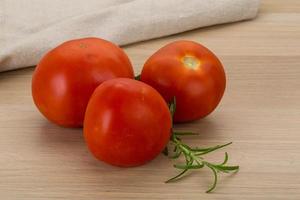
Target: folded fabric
<point>29,28</point>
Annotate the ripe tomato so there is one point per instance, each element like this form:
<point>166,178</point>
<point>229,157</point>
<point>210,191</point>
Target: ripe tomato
<point>66,77</point>
<point>191,73</point>
<point>127,123</point>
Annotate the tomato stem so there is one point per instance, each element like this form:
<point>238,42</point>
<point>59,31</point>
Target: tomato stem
<point>137,77</point>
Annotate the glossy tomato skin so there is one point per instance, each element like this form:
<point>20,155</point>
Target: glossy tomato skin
<point>66,77</point>
<point>191,73</point>
<point>127,123</point>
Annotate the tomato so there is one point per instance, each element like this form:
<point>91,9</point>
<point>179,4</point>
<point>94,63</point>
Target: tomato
<point>66,77</point>
<point>191,73</point>
<point>127,123</point>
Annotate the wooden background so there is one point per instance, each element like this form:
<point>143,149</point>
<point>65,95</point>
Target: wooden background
<point>260,113</point>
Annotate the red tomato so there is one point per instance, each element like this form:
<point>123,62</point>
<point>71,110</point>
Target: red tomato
<point>127,123</point>
<point>191,73</point>
<point>66,77</point>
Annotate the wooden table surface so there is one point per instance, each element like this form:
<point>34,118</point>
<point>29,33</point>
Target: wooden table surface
<point>260,113</point>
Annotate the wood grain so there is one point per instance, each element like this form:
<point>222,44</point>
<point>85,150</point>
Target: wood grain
<point>260,113</point>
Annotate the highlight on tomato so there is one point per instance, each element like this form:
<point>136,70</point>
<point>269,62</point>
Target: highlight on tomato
<point>127,123</point>
<point>191,73</point>
<point>66,77</point>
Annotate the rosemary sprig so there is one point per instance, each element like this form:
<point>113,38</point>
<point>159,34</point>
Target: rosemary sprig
<point>194,156</point>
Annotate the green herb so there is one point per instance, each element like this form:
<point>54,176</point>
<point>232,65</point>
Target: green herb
<point>194,159</point>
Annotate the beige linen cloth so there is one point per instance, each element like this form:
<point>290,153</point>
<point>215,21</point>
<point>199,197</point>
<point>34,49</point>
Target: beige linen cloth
<point>29,28</point>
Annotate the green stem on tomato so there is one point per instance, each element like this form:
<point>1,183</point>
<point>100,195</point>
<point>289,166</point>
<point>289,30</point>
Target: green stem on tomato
<point>137,77</point>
